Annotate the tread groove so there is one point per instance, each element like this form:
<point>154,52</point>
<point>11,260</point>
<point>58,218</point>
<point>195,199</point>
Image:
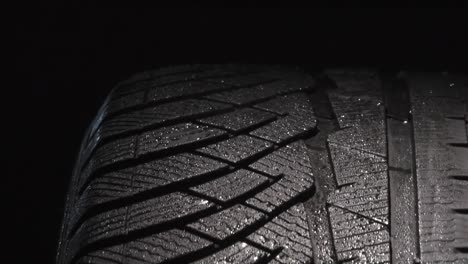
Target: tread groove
<point>463,211</point>
<point>401,174</point>
<point>360,215</point>
<point>463,250</point>
<point>149,157</point>
<point>190,218</point>
<point>458,145</point>
<point>197,95</point>
<point>321,232</point>
<point>349,168</point>
<point>161,124</point>
<point>243,164</point>
<point>132,82</point>
<point>175,99</point>
<point>459,177</point>
<point>228,176</point>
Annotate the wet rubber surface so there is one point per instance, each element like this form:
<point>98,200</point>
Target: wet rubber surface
<point>253,164</point>
<point>219,177</point>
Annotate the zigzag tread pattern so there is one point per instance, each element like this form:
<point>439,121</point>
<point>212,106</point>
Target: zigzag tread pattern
<point>171,181</point>
<point>349,212</point>
<point>358,155</point>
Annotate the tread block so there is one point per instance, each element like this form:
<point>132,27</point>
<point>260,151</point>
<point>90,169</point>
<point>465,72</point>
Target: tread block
<point>239,120</point>
<point>294,104</point>
<point>164,208</point>
<point>161,76</point>
<point>240,252</point>
<point>290,231</point>
<point>110,255</point>
<point>359,238</point>
<point>243,96</point>
<point>370,140</point>
<point>152,141</point>
<point>231,185</point>
<point>103,189</point>
<point>168,80</point>
<point>124,102</point>
<point>175,136</point>
<point>163,80</point>
<point>369,199</point>
<point>154,115</point>
<point>107,154</point>
<point>118,124</point>
<point>245,80</point>
<point>291,159</point>
<point>300,119</point>
<point>274,196</point>
<point>286,128</point>
<point>253,94</point>
<point>175,168</point>
<point>227,222</point>
<point>185,89</point>
<point>157,173</point>
<point>281,192</point>
<point>357,104</point>
<point>151,249</point>
<point>357,109</point>
<point>351,165</point>
<point>120,221</point>
<point>237,149</point>
<point>112,152</point>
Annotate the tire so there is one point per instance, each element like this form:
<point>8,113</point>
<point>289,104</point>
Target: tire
<point>247,164</point>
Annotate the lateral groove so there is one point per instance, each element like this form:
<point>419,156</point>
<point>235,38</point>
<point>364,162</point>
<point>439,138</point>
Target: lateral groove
<point>218,179</point>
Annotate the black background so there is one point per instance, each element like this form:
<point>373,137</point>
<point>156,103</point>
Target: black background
<point>67,60</point>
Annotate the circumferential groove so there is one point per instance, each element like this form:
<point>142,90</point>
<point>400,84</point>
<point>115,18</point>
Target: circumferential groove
<point>401,171</point>
<point>252,178</point>
<point>318,217</point>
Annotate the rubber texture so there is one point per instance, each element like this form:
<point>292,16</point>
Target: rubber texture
<point>264,164</point>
